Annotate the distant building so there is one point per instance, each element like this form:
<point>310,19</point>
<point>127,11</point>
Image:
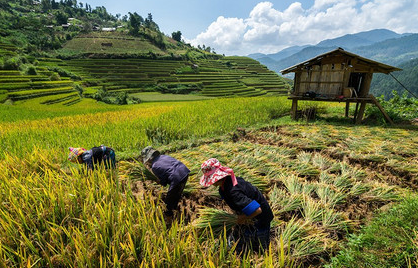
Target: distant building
<point>108,29</point>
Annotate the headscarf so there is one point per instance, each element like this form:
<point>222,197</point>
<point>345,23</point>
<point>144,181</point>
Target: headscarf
<point>213,171</point>
<point>75,153</point>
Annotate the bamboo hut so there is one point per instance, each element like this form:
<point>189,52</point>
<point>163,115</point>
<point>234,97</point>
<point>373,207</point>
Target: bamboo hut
<point>339,76</point>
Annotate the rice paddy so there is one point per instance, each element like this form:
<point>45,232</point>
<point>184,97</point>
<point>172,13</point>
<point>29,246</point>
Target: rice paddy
<point>323,182</point>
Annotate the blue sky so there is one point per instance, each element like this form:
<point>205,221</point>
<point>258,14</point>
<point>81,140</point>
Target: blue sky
<point>240,27</point>
<point>191,17</point>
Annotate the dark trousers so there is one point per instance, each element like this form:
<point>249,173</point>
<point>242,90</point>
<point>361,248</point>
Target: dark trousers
<point>173,197</point>
<point>109,159</point>
<point>250,237</point>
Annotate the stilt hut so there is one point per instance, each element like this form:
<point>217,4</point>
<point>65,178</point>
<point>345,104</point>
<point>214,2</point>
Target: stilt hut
<point>338,76</point>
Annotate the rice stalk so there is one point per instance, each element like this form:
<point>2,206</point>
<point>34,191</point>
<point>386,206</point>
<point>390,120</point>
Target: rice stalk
<point>282,202</point>
<point>380,194</point>
<point>215,219</point>
<point>358,188</point>
<point>329,196</point>
<point>322,162</point>
<point>333,221</point>
<point>312,211</point>
<point>293,184</point>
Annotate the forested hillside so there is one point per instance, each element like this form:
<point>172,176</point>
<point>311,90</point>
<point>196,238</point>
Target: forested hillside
<point>384,84</point>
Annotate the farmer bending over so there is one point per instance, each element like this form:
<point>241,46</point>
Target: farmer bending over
<point>245,199</point>
<point>93,157</point>
<point>168,170</point>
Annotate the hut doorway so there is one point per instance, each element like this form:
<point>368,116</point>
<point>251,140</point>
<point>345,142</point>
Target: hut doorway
<point>355,81</point>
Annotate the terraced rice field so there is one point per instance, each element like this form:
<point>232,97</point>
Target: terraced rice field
<point>226,77</point>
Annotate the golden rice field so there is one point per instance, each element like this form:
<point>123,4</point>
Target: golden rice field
<point>322,181</point>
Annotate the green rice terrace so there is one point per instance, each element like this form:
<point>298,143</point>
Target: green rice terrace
<point>57,80</point>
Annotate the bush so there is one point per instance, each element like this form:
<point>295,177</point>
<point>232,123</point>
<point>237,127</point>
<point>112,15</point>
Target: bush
<point>79,90</point>
<point>31,70</point>
<point>399,108</point>
<point>55,77</point>
<point>176,89</point>
<point>64,73</point>
<point>12,63</point>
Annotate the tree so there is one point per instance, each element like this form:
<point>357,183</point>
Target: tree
<point>135,21</point>
<point>61,17</point>
<point>46,5</point>
<point>150,24</point>
<point>176,36</point>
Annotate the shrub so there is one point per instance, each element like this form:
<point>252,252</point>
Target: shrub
<point>31,70</point>
<point>64,73</point>
<point>399,108</point>
<point>79,90</point>
<point>55,77</point>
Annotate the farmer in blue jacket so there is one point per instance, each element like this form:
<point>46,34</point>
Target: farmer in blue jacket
<point>170,171</point>
<point>94,157</point>
<point>245,199</point>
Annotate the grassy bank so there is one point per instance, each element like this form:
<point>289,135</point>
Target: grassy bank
<point>390,240</point>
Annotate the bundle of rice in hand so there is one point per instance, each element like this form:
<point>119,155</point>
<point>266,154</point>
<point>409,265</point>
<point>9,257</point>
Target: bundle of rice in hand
<point>216,219</point>
<point>136,170</point>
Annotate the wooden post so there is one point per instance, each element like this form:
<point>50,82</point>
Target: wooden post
<point>294,108</point>
<point>361,112</point>
<point>385,115</point>
<point>356,112</point>
<point>347,108</point>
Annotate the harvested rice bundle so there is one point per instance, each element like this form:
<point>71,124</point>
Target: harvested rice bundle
<point>216,219</point>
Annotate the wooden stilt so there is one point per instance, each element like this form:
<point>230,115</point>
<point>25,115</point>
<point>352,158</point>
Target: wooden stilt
<point>385,115</point>
<point>356,112</point>
<point>294,108</point>
<point>361,112</point>
<point>347,108</point>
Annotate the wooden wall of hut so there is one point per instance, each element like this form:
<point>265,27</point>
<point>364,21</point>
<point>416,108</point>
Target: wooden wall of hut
<point>326,79</point>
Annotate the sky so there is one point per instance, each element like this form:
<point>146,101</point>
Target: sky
<point>242,27</point>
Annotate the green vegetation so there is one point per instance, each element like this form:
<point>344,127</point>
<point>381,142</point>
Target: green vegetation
<point>159,97</point>
<point>390,240</point>
<point>61,47</point>
<point>385,84</point>
<point>400,108</point>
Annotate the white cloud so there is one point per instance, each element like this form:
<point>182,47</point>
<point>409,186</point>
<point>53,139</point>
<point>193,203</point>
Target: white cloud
<point>223,34</point>
<point>269,30</point>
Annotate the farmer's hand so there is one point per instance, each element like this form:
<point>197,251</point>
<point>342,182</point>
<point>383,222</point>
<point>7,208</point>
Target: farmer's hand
<point>241,219</point>
<point>244,218</point>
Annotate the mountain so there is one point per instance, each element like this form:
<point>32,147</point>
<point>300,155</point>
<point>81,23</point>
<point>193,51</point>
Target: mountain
<point>304,54</point>
<point>279,55</point>
<point>384,84</point>
<point>391,51</point>
<point>395,50</point>
<point>256,55</point>
<point>359,39</point>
